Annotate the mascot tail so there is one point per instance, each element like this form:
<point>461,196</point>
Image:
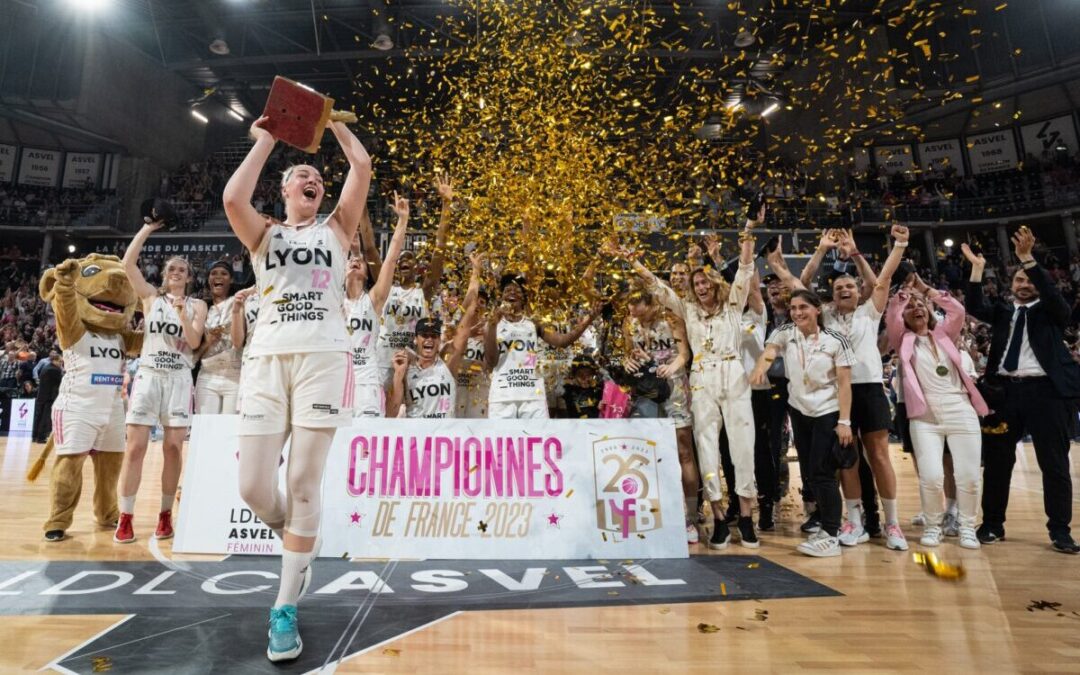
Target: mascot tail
<point>39,463</point>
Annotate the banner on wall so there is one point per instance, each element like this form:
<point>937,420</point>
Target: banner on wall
<point>7,162</point>
<point>39,167</point>
<point>942,155</point>
<point>860,159</point>
<point>1056,135</point>
<point>993,151</point>
<point>81,169</point>
<point>459,489</point>
<point>895,158</point>
<point>166,244</point>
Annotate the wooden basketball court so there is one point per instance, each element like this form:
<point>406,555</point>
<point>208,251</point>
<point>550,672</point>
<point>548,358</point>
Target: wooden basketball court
<point>891,615</point>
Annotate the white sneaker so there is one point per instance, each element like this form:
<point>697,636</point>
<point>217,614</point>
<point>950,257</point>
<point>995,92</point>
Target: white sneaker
<point>931,536</point>
<point>894,538</point>
<point>852,534</point>
<point>919,520</point>
<point>950,525</point>
<point>692,535</point>
<point>820,545</point>
<point>968,538</point>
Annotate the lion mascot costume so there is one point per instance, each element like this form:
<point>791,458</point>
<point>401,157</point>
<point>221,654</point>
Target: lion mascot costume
<point>93,302</point>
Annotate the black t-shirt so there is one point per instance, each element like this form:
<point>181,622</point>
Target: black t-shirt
<point>582,402</point>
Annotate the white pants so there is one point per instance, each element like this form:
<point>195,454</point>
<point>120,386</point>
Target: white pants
<point>518,410</point>
<point>955,421</point>
<point>369,400</point>
<point>216,394</point>
<point>720,401</point>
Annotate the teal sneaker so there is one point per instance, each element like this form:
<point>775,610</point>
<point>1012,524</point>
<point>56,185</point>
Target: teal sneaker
<point>285,643</point>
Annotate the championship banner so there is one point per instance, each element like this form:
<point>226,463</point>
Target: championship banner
<point>7,162</point>
<point>459,489</point>
<point>942,155</point>
<point>1056,135</point>
<point>39,167</point>
<point>994,151</point>
<point>22,416</point>
<point>81,169</point>
<point>895,158</point>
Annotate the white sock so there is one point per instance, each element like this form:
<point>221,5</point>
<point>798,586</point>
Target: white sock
<point>854,511</point>
<point>127,504</point>
<point>889,507</point>
<point>167,501</point>
<point>293,564</point>
<point>950,506</point>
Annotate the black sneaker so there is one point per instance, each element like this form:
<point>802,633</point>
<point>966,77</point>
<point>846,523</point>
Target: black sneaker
<point>1065,544</point>
<point>989,535</point>
<point>721,535</point>
<point>812,524</point>
<point>747,536</point>
<point>55,535</point>
<point>765,516</point>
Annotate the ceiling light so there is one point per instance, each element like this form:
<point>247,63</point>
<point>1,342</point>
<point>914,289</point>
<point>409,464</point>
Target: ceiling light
<point>773,107</point>
<point>744,39</point>
<point>383,42</point>
<point>71,248</point>
<point>199,116</point>
<point>949,243</point>
<point>89,5</point>
<point>219,47</point>
<point>235,115</point>
<point>733,104</point>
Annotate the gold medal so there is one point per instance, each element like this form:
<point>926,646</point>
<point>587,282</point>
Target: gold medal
<point>942,370</point>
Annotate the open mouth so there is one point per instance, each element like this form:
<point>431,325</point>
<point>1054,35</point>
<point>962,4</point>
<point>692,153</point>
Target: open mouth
<point>108,307</point>
<point>310,192</point>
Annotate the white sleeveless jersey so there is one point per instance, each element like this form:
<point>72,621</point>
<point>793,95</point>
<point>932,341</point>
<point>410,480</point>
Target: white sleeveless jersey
<point>164,347</point>
<point>403,308</point>
<point>363,325</point>
<point>251,315</point>
<point>472,372</point>
<point>222,359</point>
<point>516,376</point>
<point>93,374</point>
<point>300,279</point>
<point>430,392</point>
<point>657,340</point>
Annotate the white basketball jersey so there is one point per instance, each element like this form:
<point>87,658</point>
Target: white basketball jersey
<point>93,374</point>
<point>657,340</point>
<point>221,359</point>
<point>164,347</point>
<point>300,278</point>
<point>516,377</point>
<point>472,372</point>
<point>363,325</point>
<point>251,315</point>
<point>403,308</point>
<point>430,392</point>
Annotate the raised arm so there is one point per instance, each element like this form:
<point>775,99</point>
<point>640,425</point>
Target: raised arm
<point>491,339</point>
<point>445,186</point>
<point>778,265</point>
<point>57,287</point>
<point>464,327</point>
<point>558,340</point>
<point>664,293</point>
<point>396,395</point>
<point>975,301</point>
<point>131,261</point>
<point>880,294</point>
<point>1049,294</point>
<point>369,247</point>
<point>381,290</point>
<point>245,221</point>
<point>756,301</point>
<point>829,241</point>
<point>851,251</point>
<point>353,198</point>
<point>955,316</point>
<point>894,319</point>
<point>740,287</point>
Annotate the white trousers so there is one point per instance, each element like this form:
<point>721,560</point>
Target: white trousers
<point>720,402</point>
<point>215,395</point>
<point>953,420</point>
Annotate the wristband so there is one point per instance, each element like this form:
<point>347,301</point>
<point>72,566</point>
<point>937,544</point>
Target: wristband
<point>854,255</point>
<point>846,423</point>
<point>1029,264</point>
<point>901,244</point>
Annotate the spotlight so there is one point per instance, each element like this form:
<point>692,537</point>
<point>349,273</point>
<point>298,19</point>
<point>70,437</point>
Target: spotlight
<point>773,107</point>
<point>949,243</point>
<point>199,116</point>
<point>235,115</point>
<point>219,47</point>
<point>71,248</point>
<point>383,42</point>
<point>88,6</point>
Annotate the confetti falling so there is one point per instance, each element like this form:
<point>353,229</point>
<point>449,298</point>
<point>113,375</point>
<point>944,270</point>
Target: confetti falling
<point>936,567</point>
<point>708,628</point>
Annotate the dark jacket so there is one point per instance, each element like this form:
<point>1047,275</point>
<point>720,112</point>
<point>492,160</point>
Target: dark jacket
<point>1046,323</point>
<point>49,382</point>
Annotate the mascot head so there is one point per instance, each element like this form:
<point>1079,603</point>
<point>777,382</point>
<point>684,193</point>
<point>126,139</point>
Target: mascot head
<point>104,297</point>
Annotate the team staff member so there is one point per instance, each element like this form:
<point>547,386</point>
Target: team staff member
<point>298,375</point>
<point>427,383</point>
<point>1038,383</point>
<point>162,391</point>
<point>218,385</point>
<point>720,392</point>
<point>362,311</point>
<point>819,365</point>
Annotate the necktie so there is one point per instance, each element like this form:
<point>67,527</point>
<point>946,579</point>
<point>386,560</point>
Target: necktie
<point>1012,355</point>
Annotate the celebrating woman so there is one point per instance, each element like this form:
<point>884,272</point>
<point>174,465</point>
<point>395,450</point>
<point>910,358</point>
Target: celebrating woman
<point>298,375</point>
<point>161,392</point>
<point>819,365</point>
<point>219,377</point>
<point>720,398</point>
<point>931,369</point>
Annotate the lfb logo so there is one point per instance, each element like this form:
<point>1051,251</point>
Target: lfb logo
<point>23,410</point>
<point>627,486</point>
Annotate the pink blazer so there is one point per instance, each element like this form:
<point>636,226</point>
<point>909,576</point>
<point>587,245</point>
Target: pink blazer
<point>945,335</point>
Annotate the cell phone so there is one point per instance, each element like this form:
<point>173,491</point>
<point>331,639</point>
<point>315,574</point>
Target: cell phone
<point>755,204</point>
<point>771,245</point>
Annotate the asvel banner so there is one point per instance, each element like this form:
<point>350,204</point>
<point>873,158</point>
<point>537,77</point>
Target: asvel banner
<point>7,162</point>
<point>993,151</point>
<point>942,155</point>
<point>459,489</point>
<point>40,168</point>
<point>895,158</point>
<point>1056,135</point>
<point>81,169</point>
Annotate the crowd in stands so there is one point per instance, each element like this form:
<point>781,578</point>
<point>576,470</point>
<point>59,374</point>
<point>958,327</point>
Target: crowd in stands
<point>40,207</point>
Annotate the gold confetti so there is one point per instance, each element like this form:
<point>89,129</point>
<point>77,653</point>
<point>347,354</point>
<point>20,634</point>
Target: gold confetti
<point>708,628</point>
<point>936,567</point>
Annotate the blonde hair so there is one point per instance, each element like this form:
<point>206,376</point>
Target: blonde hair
<point>720,285</point>
<point>162,290</point>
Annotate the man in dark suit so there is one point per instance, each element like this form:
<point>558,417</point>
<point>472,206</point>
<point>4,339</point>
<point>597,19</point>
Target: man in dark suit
<point>1032,383</point>
<point>48,389</point>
